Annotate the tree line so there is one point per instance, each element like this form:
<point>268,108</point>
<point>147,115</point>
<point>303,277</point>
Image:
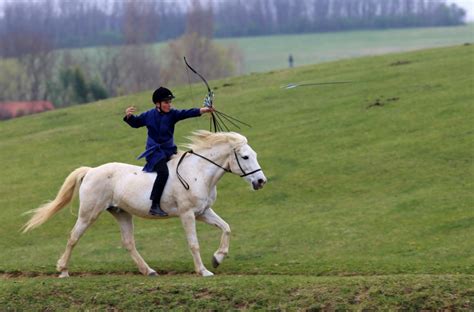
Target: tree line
<point>264,17</point>
<point>33,68</point>
<point>69,24</point>
<point>34,34</point>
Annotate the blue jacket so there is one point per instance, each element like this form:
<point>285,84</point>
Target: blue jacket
<point>160,143</point>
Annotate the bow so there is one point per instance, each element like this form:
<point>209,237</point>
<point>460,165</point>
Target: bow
<point>210,94</point>
<point>218,119</point>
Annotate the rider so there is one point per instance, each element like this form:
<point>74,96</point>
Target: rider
<point>160,145</point>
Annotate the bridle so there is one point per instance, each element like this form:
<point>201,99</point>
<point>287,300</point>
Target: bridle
<point>186,185</point>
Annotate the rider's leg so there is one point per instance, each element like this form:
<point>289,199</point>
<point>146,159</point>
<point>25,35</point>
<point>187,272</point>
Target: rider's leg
<point>162,176</point>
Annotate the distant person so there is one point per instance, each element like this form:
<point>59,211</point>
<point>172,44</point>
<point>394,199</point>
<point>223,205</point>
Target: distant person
<point>160,146</point>
<point>290,60</point>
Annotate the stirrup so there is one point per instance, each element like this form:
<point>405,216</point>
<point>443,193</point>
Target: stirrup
<point>155,210</point>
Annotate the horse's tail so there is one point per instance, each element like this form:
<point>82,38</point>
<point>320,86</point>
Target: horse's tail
<point>64,197</point>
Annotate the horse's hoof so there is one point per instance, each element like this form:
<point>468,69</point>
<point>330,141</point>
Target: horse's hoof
<point>152,274</point>
<point>215,263</point>
<point>64,274</point>
<point>206,273</point>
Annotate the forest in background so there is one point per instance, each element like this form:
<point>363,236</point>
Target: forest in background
<point>72,24</point>
<point>35,36</point>
<point>35,68</point>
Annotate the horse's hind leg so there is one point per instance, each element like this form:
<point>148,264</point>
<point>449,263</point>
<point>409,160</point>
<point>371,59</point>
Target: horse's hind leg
<point>125,221</point>
<point>87,215</point>
<point>210,217</point>
<point>79,228</point>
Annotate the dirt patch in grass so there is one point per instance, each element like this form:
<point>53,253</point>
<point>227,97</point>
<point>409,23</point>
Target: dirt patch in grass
<point>398,63</point>
<point>379,102</point>
<point>18,274</point>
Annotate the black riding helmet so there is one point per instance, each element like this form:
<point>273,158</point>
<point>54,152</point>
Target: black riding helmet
<point>162,94</point>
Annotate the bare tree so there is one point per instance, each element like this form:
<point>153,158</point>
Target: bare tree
<point>109,68</point>
<point>12,79</point>
<point>200,20</point>
<point>213,61</point>
<point>140,22</point>
<point>139,69</point>
<point>38,65</point>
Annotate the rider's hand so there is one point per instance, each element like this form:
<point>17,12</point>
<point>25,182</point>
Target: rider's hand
<point>204,110</point>
<point>130,111</point>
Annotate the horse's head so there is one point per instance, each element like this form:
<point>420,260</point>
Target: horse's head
<point>243,162</point>
<point>241,158</point>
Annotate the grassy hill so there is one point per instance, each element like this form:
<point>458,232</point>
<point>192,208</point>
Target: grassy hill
<point>271,52</point>
<point>264,53</point>
<point>368,205</point>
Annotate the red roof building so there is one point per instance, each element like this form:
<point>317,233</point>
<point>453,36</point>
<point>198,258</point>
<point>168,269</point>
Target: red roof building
<point>16,109</point>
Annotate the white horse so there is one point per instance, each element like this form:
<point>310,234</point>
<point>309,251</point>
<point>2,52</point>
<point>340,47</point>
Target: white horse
<point>190,191</point>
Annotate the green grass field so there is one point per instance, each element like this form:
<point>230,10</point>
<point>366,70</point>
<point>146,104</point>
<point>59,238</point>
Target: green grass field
<point>271,52</point>
<point>368,205</point>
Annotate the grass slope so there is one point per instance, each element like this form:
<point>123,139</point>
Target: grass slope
<point>264,53</point>
<point>370,179</point>
<point>271,52</point>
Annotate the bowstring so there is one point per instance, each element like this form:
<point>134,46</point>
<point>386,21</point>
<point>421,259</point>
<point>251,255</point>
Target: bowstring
<point>189,84</point>
<point>192,98</point>
<point>192,95</point>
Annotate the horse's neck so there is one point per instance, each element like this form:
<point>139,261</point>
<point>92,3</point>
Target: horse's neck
<point>210,173</point>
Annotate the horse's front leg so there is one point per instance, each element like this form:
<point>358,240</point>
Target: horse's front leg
<point>210,217</point>
<point>189,223</point>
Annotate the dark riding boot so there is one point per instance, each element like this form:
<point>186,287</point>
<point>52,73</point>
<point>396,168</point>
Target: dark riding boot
<point>155,210</point>
<point>162,176</point>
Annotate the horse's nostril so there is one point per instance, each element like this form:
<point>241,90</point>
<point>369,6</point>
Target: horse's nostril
<point>260,181</point>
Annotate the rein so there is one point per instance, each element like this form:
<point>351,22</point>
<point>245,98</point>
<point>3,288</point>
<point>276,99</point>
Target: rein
<point>186,185</point>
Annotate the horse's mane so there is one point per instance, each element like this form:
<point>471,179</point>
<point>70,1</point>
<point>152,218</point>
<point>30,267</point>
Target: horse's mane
<point>202,139</point>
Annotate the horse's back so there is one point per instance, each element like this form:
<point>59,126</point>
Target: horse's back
<point>118,185</point>
<point>116,169</point>
<point>117,166</point>
<point>129,187</point>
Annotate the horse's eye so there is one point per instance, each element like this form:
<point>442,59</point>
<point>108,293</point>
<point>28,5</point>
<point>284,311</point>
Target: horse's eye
<point>245,157</point>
